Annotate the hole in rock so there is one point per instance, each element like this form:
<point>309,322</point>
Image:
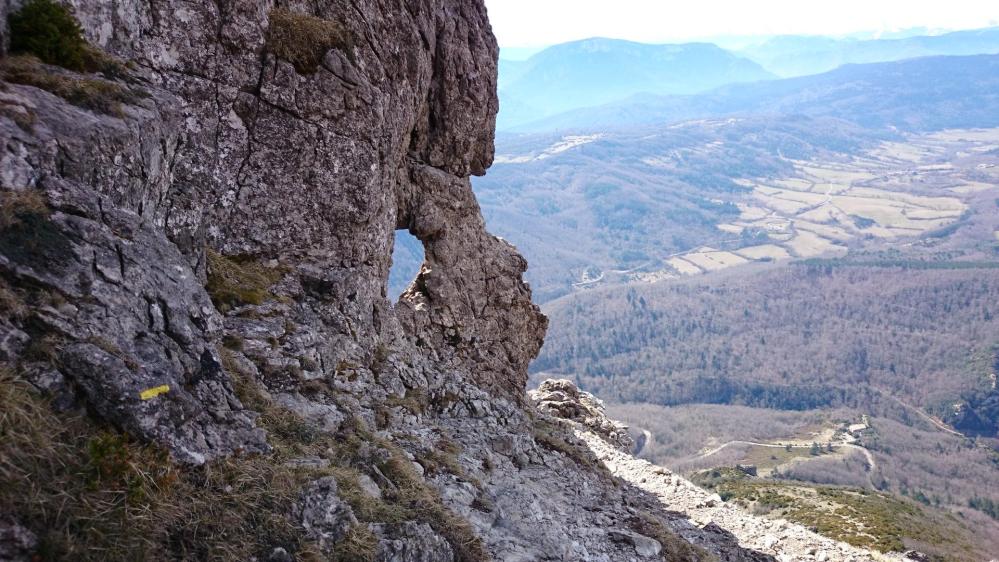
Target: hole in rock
<point>407,257</point>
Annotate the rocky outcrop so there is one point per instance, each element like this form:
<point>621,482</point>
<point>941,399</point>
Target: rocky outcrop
<point>718,522</point>
<point>16,542</point>
<point>562,399</point>
<point>325,517</point>
<point>232,147</point>
<point>110,294</point>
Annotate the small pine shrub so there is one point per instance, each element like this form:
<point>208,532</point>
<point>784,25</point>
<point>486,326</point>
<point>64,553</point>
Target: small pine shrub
<point>48,30</point>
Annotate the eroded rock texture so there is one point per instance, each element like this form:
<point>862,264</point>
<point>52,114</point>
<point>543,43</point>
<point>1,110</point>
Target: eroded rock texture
<point>237,149</point>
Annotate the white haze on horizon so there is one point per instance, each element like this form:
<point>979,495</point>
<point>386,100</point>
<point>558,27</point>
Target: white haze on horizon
<point>537,23</point>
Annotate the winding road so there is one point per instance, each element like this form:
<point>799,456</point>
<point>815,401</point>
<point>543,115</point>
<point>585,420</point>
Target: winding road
<point>872,464</point>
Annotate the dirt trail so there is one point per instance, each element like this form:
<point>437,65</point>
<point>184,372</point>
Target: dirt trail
<point>934,421</point>
<point>788,542</point>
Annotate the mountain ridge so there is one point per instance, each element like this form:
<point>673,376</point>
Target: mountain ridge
<point>939,78</point>
<point>597,70</point>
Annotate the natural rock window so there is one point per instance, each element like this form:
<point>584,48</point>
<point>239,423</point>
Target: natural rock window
<point>407,257</point>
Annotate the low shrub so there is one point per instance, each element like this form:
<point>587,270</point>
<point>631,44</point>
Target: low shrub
<point>27,236</point>
<point>48,30</point>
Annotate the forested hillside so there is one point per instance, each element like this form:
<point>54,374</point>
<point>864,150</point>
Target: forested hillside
<point>623,200</point>
<point>799,337</point>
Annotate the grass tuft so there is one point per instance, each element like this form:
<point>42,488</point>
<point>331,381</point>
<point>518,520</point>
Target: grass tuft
<point>95,94</point>
<point>235,281</point>
<point>675,549</point>
<point>111,348</point>
<point>554,436</point>
<point>23,117</point>
<point>304,40</point>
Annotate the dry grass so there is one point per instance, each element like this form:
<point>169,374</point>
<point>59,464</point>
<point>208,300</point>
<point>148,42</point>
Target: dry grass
<point>90,492</point>
<point>23,117</point>
<point>234,281</point>
<point>111,348</point>
<point>675,549</point>
<point>353,451</point>
<point>415,401</point>
<point>11,303</point>
<point>555,436</point>
<point>304,40</point>
<point>95,94</point>
<point>16,206</point>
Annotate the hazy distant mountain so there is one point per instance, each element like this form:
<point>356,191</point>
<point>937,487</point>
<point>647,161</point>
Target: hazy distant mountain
<point>915,95</point>
<point>645,178</point>
<point>792,55</point>
<point>598,71</point>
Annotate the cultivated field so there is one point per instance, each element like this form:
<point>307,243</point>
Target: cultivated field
<point>896,192</point>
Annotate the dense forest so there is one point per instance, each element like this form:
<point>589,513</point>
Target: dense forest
<point>800,337</point>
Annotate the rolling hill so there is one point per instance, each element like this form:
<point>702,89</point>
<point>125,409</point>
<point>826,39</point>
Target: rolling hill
<point>597,71</point>
<point>914,95</point>
<point>585,204</point>
<point>795,55</point>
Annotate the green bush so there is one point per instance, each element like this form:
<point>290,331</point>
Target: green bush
<point>49,31</point>
<point>27,236</point>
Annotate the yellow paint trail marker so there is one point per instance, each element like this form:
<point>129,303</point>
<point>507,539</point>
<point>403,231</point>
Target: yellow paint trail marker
<point>150,393</point>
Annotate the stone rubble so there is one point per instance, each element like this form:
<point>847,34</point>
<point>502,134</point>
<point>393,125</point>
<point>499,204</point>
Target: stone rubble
<point>786,541</point>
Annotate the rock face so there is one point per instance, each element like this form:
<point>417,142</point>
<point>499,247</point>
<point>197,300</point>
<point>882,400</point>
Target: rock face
<point>325,517</point>
<point>562,399</point>
<point>218,215</point>
<point>233,147</point>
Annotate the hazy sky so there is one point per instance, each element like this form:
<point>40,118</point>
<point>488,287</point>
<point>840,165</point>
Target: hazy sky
<point>532,23</point>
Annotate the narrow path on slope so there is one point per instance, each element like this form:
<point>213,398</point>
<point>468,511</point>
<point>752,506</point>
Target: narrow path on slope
<point>934,421</point>
<point>787,541</point>
<point>642,442</point>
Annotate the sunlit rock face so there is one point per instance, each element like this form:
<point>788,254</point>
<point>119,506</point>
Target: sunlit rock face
<point>305,157</point>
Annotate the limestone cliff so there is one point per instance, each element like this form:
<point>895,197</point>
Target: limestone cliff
<point>199,358</point>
